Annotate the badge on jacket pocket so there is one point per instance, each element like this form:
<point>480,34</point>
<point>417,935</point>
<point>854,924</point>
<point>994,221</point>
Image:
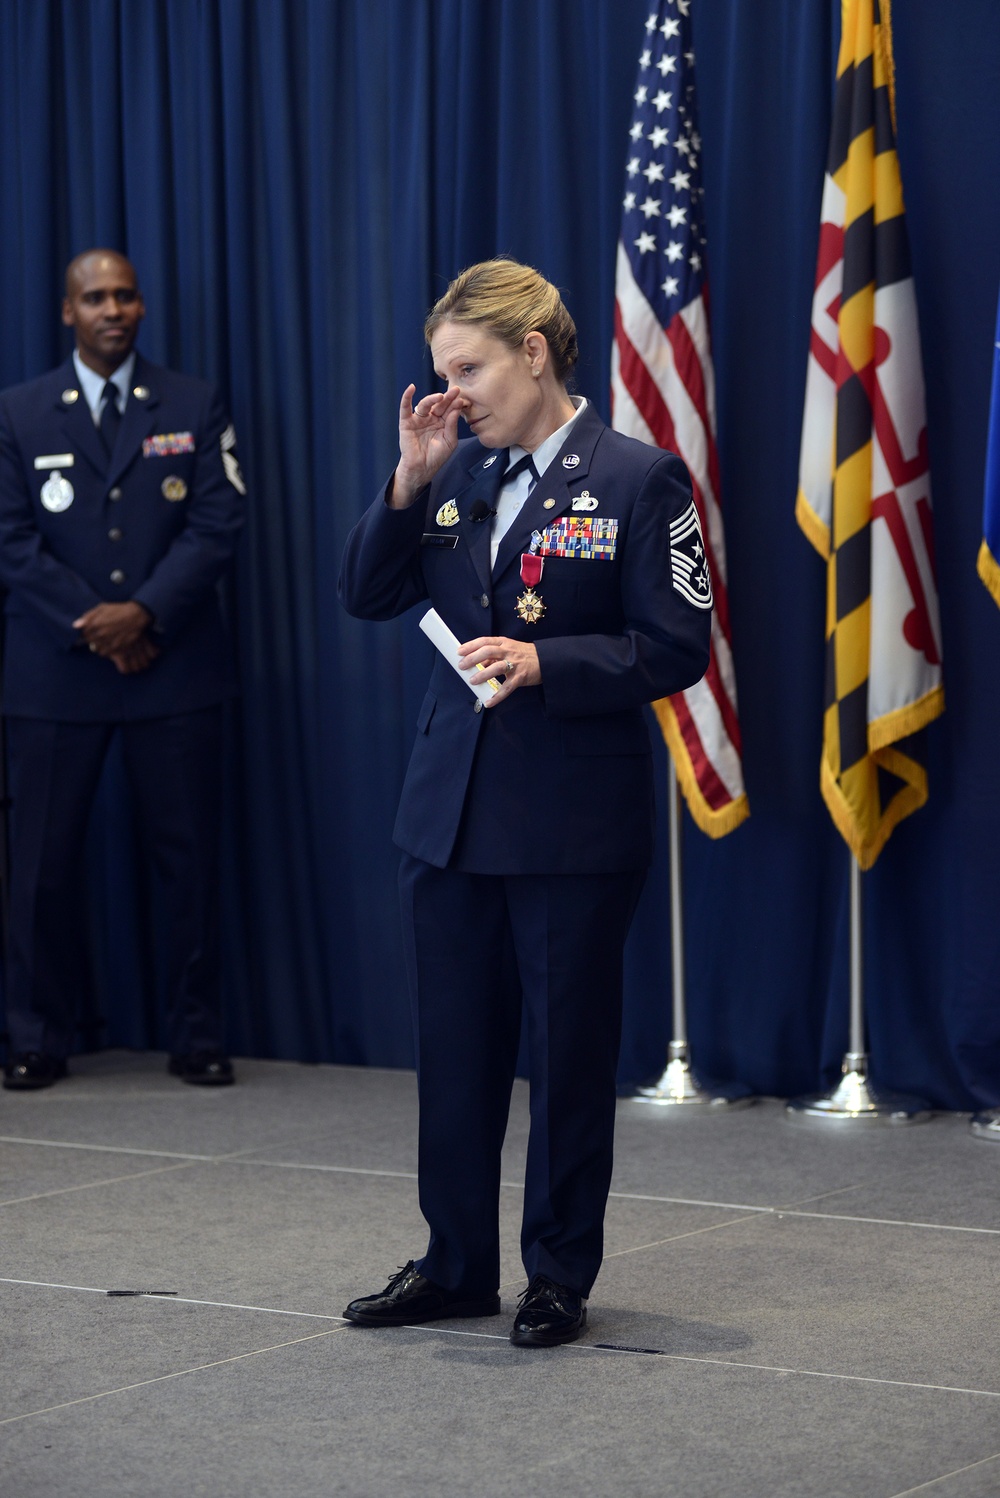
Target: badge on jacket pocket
<point>57,493</point>
<point>174,488</point>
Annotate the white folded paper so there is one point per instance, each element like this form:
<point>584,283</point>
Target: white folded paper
<point>440,635</point>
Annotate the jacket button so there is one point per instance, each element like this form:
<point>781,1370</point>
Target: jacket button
<point>115,493</point>
<point>114,534</point>
<point>485,600</point>
<point>118,575</point>
<point>478,706</point>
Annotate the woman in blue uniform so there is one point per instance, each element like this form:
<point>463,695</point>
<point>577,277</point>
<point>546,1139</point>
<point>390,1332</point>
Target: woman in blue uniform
<point>567,560</point>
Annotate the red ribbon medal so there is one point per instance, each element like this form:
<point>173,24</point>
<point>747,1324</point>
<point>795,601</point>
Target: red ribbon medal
<point>529,606</point>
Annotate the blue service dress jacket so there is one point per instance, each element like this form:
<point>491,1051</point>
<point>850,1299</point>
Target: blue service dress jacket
<point>157,522</point>
<point>558,778</point>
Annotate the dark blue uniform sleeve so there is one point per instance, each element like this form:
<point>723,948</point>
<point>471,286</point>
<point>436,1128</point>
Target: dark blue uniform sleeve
<point>52,591</point>
<point>381,576</point>
<point>664,647</point>
<point>197,558</point>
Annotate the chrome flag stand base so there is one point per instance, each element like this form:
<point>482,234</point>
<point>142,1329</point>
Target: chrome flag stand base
<point>986,1125</point>
<point>678,1086</point>
<point>857,1099</point>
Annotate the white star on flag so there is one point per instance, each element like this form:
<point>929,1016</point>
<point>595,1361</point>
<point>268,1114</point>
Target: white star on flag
<point>663,392</point>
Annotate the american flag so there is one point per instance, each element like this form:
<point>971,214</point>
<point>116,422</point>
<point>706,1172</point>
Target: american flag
<point>663,386</point>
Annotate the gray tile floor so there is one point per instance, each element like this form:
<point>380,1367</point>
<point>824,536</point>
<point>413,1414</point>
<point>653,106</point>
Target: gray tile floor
<point>783,1311</point>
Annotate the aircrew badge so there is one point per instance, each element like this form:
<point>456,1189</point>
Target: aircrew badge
<point>585,501</point>
<point>57,493</point>
<point>174,488</point>
<point>448,514</point>
<point>529,606</point>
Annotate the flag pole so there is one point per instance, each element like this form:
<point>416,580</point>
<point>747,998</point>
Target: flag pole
<point>678,1085</point>
<point>856,1098</point>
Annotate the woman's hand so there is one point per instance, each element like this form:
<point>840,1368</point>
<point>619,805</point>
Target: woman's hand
<point>428,435</point>
<point>515,660</point>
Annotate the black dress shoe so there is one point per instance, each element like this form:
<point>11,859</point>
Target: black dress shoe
<point>30,1070</point>
<point>203,1069</point>
<point>408,1299</point>
<point>548,1315</point>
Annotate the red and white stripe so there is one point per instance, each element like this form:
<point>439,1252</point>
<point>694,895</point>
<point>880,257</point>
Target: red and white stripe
<point>663,393</point>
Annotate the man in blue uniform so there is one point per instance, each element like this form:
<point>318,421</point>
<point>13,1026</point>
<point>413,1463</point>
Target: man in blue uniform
<point>121,500</point>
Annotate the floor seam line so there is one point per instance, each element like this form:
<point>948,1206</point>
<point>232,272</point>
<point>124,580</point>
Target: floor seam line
<point>926,1486</point>
<point>579,1347</point>
<point>239,1157</point>
<point>161,1378</point>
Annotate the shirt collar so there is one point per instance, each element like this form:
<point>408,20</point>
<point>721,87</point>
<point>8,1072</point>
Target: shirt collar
<point>546,451</point>
<point>92,384</point>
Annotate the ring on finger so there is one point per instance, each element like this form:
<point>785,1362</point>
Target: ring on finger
<point>508,667</point>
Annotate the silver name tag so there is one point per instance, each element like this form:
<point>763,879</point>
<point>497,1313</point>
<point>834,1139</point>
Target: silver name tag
<point>55,460</point>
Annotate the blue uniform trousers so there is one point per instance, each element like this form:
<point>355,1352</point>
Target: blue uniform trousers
<point>560,941</point>
<point>174,769</point>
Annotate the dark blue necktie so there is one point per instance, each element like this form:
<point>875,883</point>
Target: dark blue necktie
<point>516,469</point>
<point>111,417</point>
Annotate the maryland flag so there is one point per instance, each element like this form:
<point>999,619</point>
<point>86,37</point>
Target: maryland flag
<point>989,551</point>
<point>864,496</point>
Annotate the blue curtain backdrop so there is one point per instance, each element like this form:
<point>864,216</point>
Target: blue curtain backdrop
<point>296,181</point>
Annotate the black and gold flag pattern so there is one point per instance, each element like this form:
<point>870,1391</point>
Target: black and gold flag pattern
<point>864,481</point>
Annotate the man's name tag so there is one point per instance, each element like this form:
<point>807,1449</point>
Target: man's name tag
<point>434,538</point>
<point>54,460</point>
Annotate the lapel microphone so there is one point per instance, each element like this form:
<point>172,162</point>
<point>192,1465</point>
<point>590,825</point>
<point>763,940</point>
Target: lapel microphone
<point>480,511</point>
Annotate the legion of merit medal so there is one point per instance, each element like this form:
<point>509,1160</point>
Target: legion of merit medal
<point>529,606</point>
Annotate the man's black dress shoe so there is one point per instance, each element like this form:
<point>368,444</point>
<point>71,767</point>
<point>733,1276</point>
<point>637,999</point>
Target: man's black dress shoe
<point>30,1070</point>
<point>548,1315</point>
<point>408,1299</point>
<point>203,1069</point>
